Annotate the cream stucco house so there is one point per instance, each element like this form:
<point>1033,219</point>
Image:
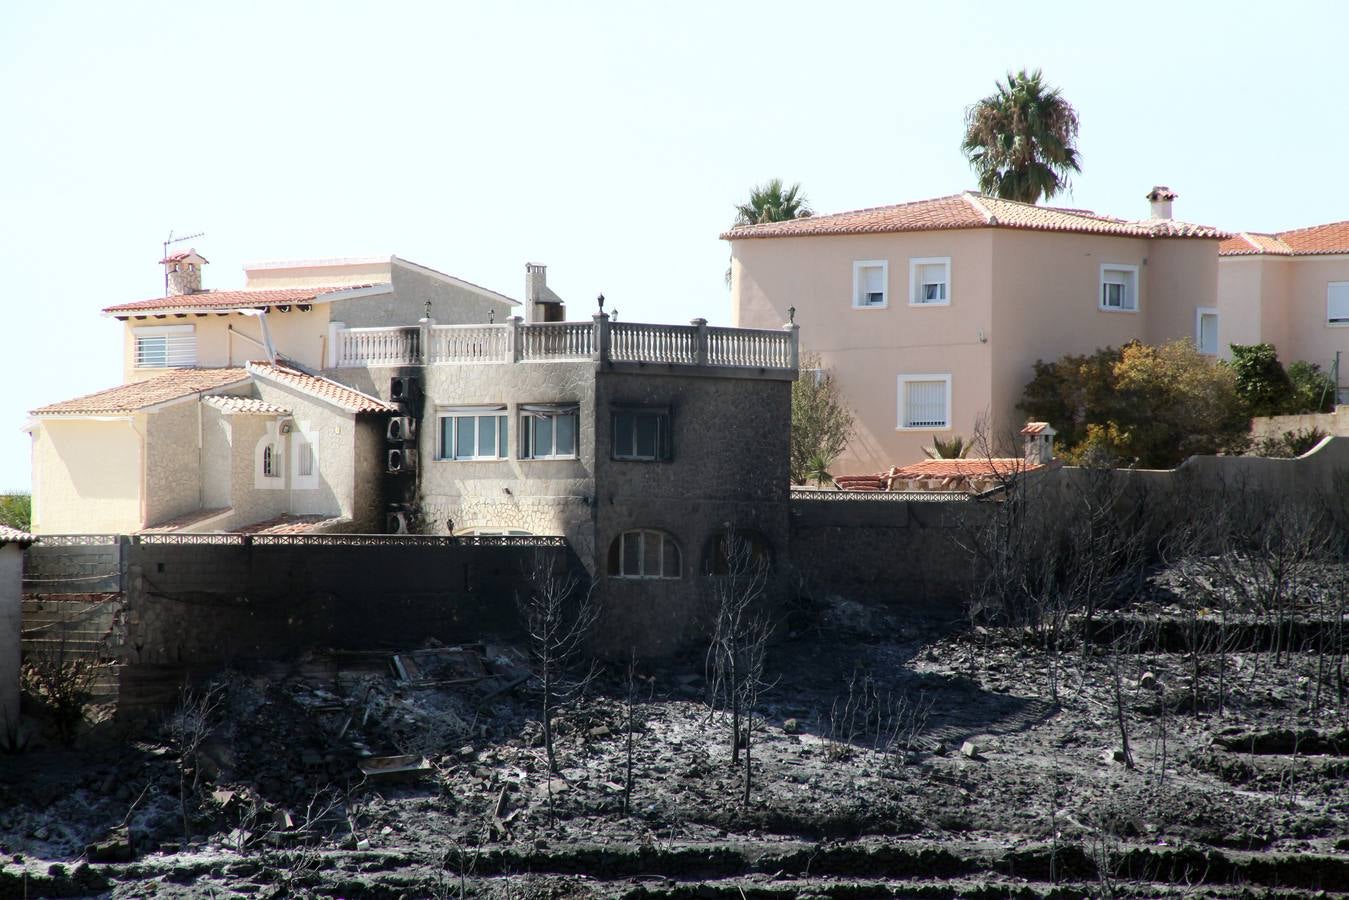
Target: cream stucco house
<point>1289,289</point>
<point>224,420</point>
<point>932,313</point>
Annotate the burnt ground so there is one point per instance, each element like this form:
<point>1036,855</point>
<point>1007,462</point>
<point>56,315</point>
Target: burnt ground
<point>895,758</point>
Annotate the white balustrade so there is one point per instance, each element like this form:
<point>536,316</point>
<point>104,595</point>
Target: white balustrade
<point>632,342</point>
<point>378,346</point>
<point>556,340</point>
<point>468,344</point>
<point>627,342</point>
<point>746,347</point>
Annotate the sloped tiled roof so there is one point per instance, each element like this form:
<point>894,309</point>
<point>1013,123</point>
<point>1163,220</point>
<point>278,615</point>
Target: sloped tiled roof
<point>245,406</point>
<point>321,388</point>
<point>15,536</point>
<point>140,394</point>
<point>971,210</point>
<point>186,520</point>
<point>231,299</point>
<point>1316,240</point>
<point>965,468</point>
<point>287,523</point>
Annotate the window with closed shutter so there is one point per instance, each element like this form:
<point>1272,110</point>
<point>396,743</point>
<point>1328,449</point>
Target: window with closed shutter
<point>1337,303</point>
<point>869,278</point>
<point>1206,336</point>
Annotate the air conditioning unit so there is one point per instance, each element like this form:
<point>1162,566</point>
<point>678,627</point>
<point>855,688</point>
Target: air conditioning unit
<point>396,523</point>
<point>402,428</point>
<point>402,460</point>
<point>403,389</point>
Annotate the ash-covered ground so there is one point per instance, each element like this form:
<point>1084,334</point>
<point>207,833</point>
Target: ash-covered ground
<point>890,758</point>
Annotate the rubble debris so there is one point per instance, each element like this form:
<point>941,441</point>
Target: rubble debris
<point>407,767</point>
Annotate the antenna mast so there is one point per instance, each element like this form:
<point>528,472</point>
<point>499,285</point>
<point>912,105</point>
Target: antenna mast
<point>175,240</point>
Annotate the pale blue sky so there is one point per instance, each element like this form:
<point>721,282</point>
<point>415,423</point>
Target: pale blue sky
<point>610,141</point>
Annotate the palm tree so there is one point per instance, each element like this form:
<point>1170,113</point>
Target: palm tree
<point>1021,140</point>
<point>770,203</point>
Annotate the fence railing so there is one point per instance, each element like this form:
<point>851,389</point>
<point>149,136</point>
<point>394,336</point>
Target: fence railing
<point>466,344</point>
<point>600,340</point>
<point>557,340</point>
<point>377,346</point>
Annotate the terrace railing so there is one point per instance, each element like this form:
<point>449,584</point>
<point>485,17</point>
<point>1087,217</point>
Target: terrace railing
<point>601,340</point>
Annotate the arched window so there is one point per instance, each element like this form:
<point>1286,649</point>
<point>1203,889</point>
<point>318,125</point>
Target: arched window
<point>644,554</point>
<point>737,551</point>
<point>270,462</point>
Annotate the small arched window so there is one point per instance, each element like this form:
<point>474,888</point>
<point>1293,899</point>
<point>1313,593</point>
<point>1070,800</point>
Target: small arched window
<point>270,467</point>
<point>644,554</point>
<point>737,551</point>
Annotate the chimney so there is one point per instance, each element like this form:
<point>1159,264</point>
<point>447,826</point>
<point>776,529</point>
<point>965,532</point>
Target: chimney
<point>541,304</point>
<point>1039,443</point>
<point>1161,197</point>
<point>182,272</point>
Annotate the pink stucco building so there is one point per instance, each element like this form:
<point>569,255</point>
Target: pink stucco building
<point>932,313</point>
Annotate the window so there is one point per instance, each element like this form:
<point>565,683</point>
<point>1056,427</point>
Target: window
<point>1119,288</point>
<point>924,401</point>
<point>1206,330</point>
<point>304,459</point>
<point>740,552</point>
<point>548,432</point>
<point>477,432</point>
<point>869,277</point>
<point>1337,303</point>
<point>271,462</point>
<point>930,281</point>
<point>644,554</point>
<point>165,346</point>
<point>642,434</point>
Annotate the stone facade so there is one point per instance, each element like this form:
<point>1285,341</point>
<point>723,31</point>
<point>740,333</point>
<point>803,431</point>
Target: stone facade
<point>11,616</point>
<point>727,467</point>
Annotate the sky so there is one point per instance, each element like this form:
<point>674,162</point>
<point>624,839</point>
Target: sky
<point>610,141</point>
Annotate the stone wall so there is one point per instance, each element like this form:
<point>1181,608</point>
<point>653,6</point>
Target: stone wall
<point>901,554</point>
<point>11,597</point>
<point>52,567</point>
<point>199,605</point>
<point>1333,423</point>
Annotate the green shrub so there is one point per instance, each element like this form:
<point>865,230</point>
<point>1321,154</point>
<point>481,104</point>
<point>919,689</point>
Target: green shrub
<point>1289,444</point>
<point>16,511</point>
<point>1313,389</point>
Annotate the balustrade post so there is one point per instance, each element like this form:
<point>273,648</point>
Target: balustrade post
<point>428,328</point>
<point>599,350</point>
<point>699,342</point>
<point>793,345</point>
<point>335,330</point>
<point>513,348</point>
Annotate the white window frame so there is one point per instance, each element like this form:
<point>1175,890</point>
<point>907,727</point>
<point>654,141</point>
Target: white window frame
<point>1335,323</point>
<point>664,434</point>
<point>529,416</point>
<point>1100,288</point>
<point>645,536</point>
<point>857,267</point>
<point>915,264</point>
<point>902,389</point>
<point>180,346</point>
<point>1199,313</point>
<point>496,411</point>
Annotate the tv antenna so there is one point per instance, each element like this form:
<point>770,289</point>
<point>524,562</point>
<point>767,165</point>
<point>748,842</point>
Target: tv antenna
<point>175,240</point>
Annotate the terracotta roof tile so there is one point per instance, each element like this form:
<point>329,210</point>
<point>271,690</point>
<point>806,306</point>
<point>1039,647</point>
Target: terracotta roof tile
<point>245,406</point>
<point>1316,240</point>
<point>15,536</point>
<point>186,520</point>
<point>287,523</point>
<point>223,300</point>
<point>140,394</point>
<point>971,210</point>
<point>317,386</point>
<point>965,468</point>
